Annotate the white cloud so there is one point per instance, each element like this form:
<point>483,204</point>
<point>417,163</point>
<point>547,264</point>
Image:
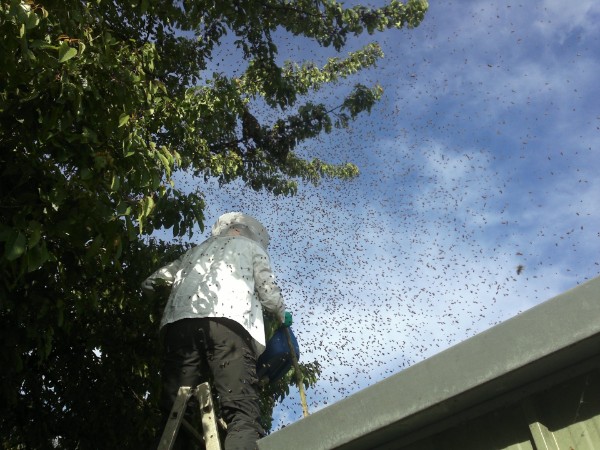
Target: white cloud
<point>560,19</point>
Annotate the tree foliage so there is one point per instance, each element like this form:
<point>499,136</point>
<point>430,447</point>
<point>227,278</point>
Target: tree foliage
<point>101,102</point>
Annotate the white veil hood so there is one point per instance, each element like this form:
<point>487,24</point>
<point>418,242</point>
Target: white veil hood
<point>224,222</point>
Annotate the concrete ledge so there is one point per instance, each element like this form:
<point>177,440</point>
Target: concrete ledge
<point>547,338</point>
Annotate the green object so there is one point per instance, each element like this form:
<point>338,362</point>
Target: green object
<point>287,320</point>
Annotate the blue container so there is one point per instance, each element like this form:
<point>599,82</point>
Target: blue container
<point>276,360</point>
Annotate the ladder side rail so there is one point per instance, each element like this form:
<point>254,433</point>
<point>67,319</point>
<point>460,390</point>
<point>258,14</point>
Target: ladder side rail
<point>167,440</point>
<point>209,419</point>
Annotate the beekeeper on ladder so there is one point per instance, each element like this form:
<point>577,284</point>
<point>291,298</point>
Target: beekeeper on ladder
<point>213,326</point>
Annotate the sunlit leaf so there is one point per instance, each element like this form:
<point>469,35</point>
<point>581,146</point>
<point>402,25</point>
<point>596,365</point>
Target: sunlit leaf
<point>65,52</point>
<point>123,119</point>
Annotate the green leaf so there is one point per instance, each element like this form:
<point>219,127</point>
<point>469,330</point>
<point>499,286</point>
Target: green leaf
<point>115,183</point>
<point>15,246</point>
<point>147,206</point>
<point>36,257</point>
<point>94,247</point>
<point>123,119</point>
<point>65,52</point>
<point>86,174</point>
<point>165,158</point>
<point>32,21</point>
<point>5,233</point>
<point>35,234</point>
<point>60,313</point>
<point>123,209</point>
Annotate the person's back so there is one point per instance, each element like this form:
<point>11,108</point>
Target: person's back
<point>213,326</point>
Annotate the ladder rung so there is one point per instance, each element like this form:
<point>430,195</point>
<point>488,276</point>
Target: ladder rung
<point>190,429</point>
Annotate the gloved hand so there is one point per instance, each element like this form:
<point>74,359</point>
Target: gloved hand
<point>156,287</point>
<point>287,319</point>
<point>148,289</point>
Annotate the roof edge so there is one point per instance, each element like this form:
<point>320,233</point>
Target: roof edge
<point>515,352</point>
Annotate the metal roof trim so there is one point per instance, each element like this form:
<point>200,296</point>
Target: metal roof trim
<point>548,337</point>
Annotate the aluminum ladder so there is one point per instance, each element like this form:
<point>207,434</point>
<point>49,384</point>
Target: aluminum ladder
<point>210,432</point>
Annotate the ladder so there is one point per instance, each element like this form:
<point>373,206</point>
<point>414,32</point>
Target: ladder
<point>210,436</point>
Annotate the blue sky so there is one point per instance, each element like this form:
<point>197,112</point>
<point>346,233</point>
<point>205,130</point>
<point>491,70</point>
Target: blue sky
<point>481,157</point>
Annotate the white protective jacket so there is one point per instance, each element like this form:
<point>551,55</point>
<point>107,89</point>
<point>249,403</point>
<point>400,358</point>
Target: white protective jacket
<point>228,275</point>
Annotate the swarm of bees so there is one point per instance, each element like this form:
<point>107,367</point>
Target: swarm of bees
<point>461,164</point>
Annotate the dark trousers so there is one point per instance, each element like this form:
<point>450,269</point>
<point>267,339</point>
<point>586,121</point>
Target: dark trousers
<point>219,351</point>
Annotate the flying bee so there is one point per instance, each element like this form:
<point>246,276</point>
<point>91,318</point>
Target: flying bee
<point>520,268</point>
